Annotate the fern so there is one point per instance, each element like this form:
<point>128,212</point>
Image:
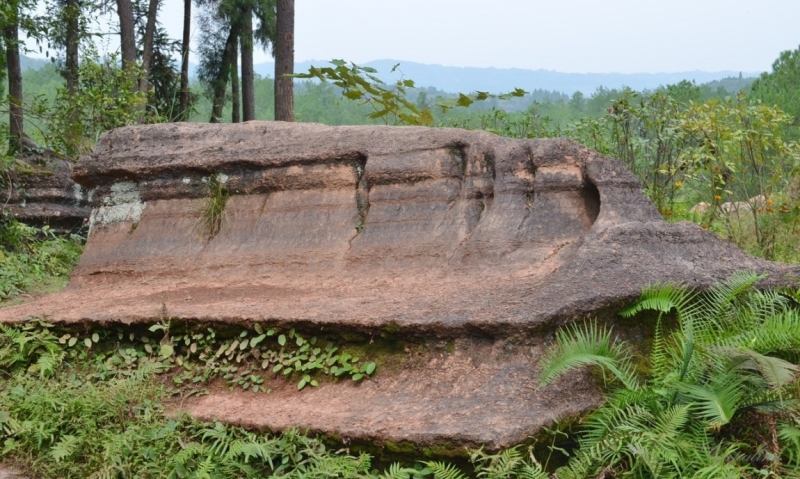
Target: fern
<point>507,464</point>
<point>396,471</point>
<point>443,470</point>
<point>661,297</point>
<point>720,360</point>
<point>65,448</point>
<point>588,345</point>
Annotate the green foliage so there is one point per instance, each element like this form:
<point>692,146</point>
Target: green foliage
<point>106,99</point>
<point>84,417</point>
<point>213,213</point>
<point>391,103</point>
<point>736,151</point>
<point>731,352</point>
<point>779,87</point>
<point>191,358</point>
<point>77,427</point>
<point>32,257</point>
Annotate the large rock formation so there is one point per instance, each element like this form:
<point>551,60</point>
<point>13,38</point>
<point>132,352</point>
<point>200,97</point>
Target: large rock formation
<point>483,241</point>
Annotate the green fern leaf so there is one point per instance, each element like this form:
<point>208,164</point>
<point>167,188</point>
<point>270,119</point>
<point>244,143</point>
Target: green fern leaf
<point>715,403</point>
<point>443,470</point>
<point>65,447</point>
<point>588,345</point>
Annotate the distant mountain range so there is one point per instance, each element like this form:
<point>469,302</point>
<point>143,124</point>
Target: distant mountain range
<point>498,80</point>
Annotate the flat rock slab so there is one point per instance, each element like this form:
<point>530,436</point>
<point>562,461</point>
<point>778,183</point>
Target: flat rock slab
<point>423,232</point>
<point>483,392</point>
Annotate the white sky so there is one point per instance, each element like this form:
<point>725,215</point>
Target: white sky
<point>625,36</point>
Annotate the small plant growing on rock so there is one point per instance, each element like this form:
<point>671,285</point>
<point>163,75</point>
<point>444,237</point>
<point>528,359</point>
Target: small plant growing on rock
<point>191,358</point>
<point>213,213</point>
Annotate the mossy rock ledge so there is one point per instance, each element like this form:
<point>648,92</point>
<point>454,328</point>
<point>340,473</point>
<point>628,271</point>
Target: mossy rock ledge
<point>481,243</point>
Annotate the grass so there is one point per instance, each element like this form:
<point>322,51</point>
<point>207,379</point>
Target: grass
<point>213,213</point>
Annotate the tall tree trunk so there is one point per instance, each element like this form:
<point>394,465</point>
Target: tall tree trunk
<point>127,36</point>
<point>15,117</point>
<point>248,88</point>
<point>235,95</point>
<point>187,25</point>
<point>221,83</point>
<point>72,40</point>
<point>284,61</point>
<point>147,50</point>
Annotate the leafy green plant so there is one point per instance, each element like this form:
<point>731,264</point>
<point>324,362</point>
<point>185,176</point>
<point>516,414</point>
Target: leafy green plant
<point>106,98</point>
<point>191,358</point>
<point>731,352</point>
<point>390,102</point>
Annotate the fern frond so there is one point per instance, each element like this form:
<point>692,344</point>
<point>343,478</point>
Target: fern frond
<point>587,345</point>
<point>396,471</point>
<point>778,373</point>
<point>65,447</point>
<point>789,436</point>
<point>671,421</point>
<point>661,297</point>
<point>717,402</point>
<point>497,465</point>
<point>444,470</point>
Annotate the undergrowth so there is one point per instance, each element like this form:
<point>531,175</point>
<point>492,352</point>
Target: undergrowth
<point>729,368</point>
<point>241,357</point>
<point>77,412</point>
<point>32,258</point>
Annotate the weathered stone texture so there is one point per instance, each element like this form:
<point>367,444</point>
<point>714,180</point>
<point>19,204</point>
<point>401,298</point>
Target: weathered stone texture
<point>42,193</point>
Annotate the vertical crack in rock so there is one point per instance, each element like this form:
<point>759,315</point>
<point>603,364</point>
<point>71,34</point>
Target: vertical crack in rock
<point>530,195</point>
<point>458,155</point>
<point>484,195</point>
<point>362,197</point>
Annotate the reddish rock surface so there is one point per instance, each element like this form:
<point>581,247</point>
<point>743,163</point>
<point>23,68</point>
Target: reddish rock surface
<point>426,232</point>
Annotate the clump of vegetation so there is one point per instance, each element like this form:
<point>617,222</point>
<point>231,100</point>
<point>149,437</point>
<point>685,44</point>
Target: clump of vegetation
<point>105,98</point>
<point>213,213</point>
<point>34,259</point>
<point>732,355</point>
<point>242,358</point>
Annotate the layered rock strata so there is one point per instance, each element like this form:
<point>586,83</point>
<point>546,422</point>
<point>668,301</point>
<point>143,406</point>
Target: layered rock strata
<point>42,192</point>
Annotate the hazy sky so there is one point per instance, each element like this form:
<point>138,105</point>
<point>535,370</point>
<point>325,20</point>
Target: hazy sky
<point>565,35</point>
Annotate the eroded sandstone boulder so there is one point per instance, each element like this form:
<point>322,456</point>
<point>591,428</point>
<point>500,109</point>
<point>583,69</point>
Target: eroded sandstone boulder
<point>464,236</point>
